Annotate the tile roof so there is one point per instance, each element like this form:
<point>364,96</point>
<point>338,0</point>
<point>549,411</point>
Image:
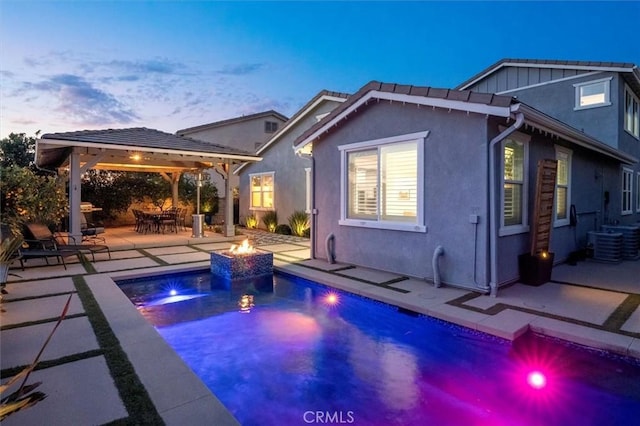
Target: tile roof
<point>488,99</point>
<point>550,63</point>
<point>145,138</point>
<point>232,120</point>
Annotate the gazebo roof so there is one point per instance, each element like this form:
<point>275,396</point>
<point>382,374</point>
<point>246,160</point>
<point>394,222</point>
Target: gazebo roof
<point>135,149</point>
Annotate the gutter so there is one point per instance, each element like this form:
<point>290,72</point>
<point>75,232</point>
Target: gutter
<point>493,225</point>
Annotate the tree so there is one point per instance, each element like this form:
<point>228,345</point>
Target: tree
<point>18,150</point>
<point>27,197</point>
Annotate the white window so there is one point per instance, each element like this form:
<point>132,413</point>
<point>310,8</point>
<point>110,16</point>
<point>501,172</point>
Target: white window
<point>593,93</point>
<point>627,190</point>
<point>563,186</point>
<point>631,113</point>
<point>515,158</point>
<point>382,183</point>
<point>307,176</point>
<point>262,191</point>
<point>638,193</point>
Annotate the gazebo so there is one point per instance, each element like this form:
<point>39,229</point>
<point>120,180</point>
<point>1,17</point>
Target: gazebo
<point>135,150</point>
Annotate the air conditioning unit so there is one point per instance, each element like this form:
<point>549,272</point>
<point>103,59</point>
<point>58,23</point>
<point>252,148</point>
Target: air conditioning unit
<point>630,239</point>
<point>606,246</point>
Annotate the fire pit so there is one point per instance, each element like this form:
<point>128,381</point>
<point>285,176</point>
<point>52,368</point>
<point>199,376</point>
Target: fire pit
<point>240,262</point>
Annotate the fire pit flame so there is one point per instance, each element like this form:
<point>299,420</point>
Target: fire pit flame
<point>243,248</point>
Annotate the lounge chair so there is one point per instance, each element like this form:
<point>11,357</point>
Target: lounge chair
<point>39,237</point>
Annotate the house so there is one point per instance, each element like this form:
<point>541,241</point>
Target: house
<point>246,133</point>
<point>439,184</point>
<point>282,182</point>
<point>600,99</point>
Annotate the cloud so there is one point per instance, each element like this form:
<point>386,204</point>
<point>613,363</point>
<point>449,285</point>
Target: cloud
<point>81,100</point>
<point>240,69</point>
<point>151,66</point>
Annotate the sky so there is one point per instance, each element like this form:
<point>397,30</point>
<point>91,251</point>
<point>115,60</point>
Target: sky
<point>170,65</point>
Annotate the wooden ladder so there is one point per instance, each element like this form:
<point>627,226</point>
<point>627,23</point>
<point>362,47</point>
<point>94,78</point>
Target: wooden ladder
<point>542,221</point>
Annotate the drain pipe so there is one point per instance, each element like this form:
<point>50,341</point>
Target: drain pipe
<point>330,247</point>
<point>493,226</point>
<point>439,251</point>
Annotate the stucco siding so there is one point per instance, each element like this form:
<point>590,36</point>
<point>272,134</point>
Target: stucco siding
<point>455,183</point>
<point>289,168</point>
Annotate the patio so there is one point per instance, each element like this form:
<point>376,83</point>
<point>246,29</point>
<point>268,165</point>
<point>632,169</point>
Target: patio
<point>599,308</point>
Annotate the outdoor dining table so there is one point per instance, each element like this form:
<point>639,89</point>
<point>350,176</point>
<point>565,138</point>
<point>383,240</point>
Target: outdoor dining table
<point>154,220</point>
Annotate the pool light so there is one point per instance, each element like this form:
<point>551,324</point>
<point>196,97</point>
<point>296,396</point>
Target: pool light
<point>536,379</point>
<point>331,299</point>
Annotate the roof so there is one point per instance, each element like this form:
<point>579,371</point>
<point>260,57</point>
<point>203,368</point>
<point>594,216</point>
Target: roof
<point>240,119</point>
<point>456,99</point>
<point>464,100</point>
<point>301,113</point>
<point>160,150</point>
<point>624,67</point>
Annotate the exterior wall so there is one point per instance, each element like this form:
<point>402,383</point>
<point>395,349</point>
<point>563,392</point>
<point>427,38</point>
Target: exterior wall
<point>509,78</point>
<point>289,168</point>
<point>605,123</point>
<point>246,135</point>
<point>455,162</point>
<point>591,176</point>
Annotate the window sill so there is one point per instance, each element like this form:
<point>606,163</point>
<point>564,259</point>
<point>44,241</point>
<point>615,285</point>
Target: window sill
<point>513,230</point>
<point>561,223</point>
<point>627,131</point>
<point>579,108</point>
<point>391,226</point>
<point>261,209</point>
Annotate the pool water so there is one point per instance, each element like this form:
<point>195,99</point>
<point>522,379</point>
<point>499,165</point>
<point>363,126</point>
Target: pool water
<point>289,351</point>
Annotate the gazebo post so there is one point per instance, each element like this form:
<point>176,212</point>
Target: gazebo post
<point>74,195</point>
<point>229,227</point>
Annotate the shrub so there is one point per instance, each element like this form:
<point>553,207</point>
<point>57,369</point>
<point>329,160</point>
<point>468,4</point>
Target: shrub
<point>283,229</point>
<point>299,222</point>
<point>270,219</point>
<point>251,222</point>
<point>307,233</point>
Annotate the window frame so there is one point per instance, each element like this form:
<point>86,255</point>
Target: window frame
<point>566,221</point>
<point>419,224</point>
<point>638,192</point>
<point>273,179</point>
<point>269,125</point>
<point>523,227</point>
<point>607,93</point>
<point>626,193</point>
<point>631,125</point>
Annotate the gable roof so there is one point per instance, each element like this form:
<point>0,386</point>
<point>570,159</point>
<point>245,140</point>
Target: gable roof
<point>628,69</point>
<point>322,96</point>
<point>486,103</point>
<point>270,113</point>
<point>115,146</point>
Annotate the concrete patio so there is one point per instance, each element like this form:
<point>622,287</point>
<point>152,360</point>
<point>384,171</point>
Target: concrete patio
<point>590,304</point>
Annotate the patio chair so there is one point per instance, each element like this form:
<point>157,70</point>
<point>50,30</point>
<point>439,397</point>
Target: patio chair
<point>40,237</point>
<point>90,232</point>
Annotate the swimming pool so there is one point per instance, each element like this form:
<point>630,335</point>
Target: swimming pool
<point>290,351</point>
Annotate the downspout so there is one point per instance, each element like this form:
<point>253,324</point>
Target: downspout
<point>314,212</point>
<point>493,226</point>
<point>439,251</point>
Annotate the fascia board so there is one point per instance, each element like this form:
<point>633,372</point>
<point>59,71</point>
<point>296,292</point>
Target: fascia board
<point>404,98</point>
<point>94,145</point>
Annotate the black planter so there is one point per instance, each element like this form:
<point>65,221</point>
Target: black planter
<point>208,218</point>
<point>535,270</point>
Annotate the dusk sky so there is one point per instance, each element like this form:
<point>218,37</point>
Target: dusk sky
<point>76,65</point>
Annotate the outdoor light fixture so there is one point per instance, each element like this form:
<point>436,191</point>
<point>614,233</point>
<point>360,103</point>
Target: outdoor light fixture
<point>536,379</point>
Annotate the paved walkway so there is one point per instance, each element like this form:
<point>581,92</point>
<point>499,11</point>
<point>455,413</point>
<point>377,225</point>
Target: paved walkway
<point>87,382</point>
